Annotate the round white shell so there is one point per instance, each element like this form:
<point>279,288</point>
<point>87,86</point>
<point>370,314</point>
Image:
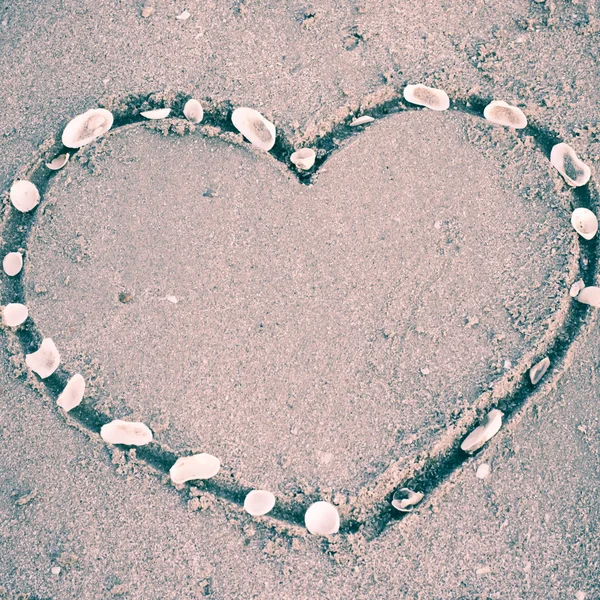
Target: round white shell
<point>198,466</point>
<point>254,127</point>
<point>72,395</point>
<point>427,96</point>
<point>485,432</point>
<point>158,113</point>
<point>59,162</point>
<point>590,295</point>
<point>193,111</point>
<point>86,127</point>
<point>259,502</point>
<point>585,223</point>
<point>45,360</point>
<point>501,113</point>
<point>362,121</point>
<point>483,470</point>
<point>322,518</point>
<point>12,263</point>
<point>15,314</point>
<point>539,370</point>
<point>24,195</point>
<point>128,433</point>
<point>563,157</point>
<point>304,158</point>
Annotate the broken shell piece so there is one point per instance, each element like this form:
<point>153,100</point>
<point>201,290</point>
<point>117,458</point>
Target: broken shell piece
<point>427,96</point>
<point>539,370</point>
<point>585,223</point>
<point>574,171</point>
<point>254,127</point>
<point>59,162</point>
<point>198,466</point>
<point>24,195</point>
<point>158,113</point>
<point>304,158</point>
<point>147,10</point>
<point>361,121</point>
<point>184,16</point>
<point>483,470</point>
<point>322,518</point>
<point>501,113</point>
<point>15,314</point>
<point>193,111</point>
<point>128,433</point>
<point>12,263</point>
<point>259,502</point>
<point>576,288</point>
<point>72,395</point>
<point>404,499</point>
<point>485,432</point>
<point>45,360</point>
<point>590,295</point>
<point>85,128</point>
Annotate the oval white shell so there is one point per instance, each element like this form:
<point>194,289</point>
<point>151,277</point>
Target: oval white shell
<point>539,370</point>
<point>193,111</point>
<point>322,518</point>
<point>362,121</point>
<point>563,159</point>
<point>590,295</point>
<point>259,502</point>
<point>15,314</point>
<point>86,127</point>
<point>501,113</point>
<point>585,223</point>
<point>304,158</point>
<point>59,162</point>
<point>483,470</point>
<point>24,195</point>
<point>128,433</point>
<point>158,113</point>
<point>427,96</point>
<point>485,432</point>
<point>254,127</point>
<point>12,263</point>
<point>45,360</point>
<point>72,395</point>
<point>404,499</point>
<point>198,466</point>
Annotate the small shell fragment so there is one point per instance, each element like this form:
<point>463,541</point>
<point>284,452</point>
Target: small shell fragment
<point>198,466</point>
<point>576,288</point>
<point>147,10</point>
<point>193,111</point>
<point>405,500</point>
<point>184,16</point>
<point>15,314</point>
<point>72,394</point>
<point>485,432</point>
<point>361,121</point>
<point>128,433</point>
<point>427,96</point>
<point>55,570</point>
<point>501,113</point>
<point>573,170</point>
<point>59,162</point>
<point>483,470</point>
<point>158,113</point>
<point>45,360</point>
<point>259,502</point>
<point>12,263</point>
<point>254,127</point>
<point>24,195</point>
<point>304,158</point>
<point>585,223</point>
<point>86,127</point>
<point>590,295</point>
<point>322,518</point>
<point>539,370</point>
<point>172,299</point>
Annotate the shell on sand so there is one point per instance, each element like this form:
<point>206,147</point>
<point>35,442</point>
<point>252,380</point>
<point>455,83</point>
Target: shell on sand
<point>14,314</point>
<point>362,121</point>
<point>198,466</point>
<point>259,502</point>
<point>254,127</point>
<point>485,432</point>
<point>539,370</point>
<point>590,295</point>
<point>501,113</point>
<point>304,158</point>
<point>45,360</point>
<point>86,127</point>
<point>157,113</point>
<point>24,195</point>
<point>573,170</point>
<point>72,394</point>
<point>128,433</point>
<point>427,96</point>
<point>576,288</point>
<point>483,470</point>
<point>59,162</point>
<point>322,518</point>
<point>585,223</point>
<point>193,111</point>
<point>405,500</point>
<point>12,263</point>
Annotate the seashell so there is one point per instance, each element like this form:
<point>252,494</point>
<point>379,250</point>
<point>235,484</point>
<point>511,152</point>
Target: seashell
<point>254,127</point>
<point>24,195</point>
<point>427,96</point>
<point>86,127</point>
<point>574,171</point>
<point>404,499</point>
<point>539,370</point>
<point>485,432</point>
<point>15,314</point>
<point>576,288</point>
<point>585,223</point>
<point>128,433</point>
<point>72,394</point>
<point>158,113</point>
<point>147,10</point>
<point>259,502</point>
<point>172,299</point>
<point>483,470</point>
<point>590,295</point>
<point>45,360</point>
<point>59,162</point>
<point>184,16</point>
<point>501,113</point>
<point>12,263</point>
<point>361,121</point>
<point>322,518</point>
<point>304,158</point>
<point>192,111</point>
<point>198,466</point>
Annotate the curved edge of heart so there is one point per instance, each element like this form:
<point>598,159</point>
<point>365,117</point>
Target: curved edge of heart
<point>371,511</point>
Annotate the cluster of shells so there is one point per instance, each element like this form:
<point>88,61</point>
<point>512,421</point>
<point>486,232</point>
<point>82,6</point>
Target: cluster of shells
<point>321,518</point>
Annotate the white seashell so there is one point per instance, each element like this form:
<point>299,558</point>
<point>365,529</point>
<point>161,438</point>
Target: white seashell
<point>361,121</point>
<point>259,502</point>
<point>198,466</point>
<point>85,128</point>
<point>574,171</point>
<point>45,360</point>
<point>15,314</point>
<point>539,370</point>
<point>192,111</point>
<point>12,263</point>
<point>322,518</point>
<point>158,113</point>
<point>590,295</point>
<point>485,432</point>
<point>576,288</point>
<point>72,395</point>
<point>24,195</point>
<point>172,299</point>
<point>304,158</point>
<point>427,96</point>
<point>59,162</point>
<point>404,499</point>
<point>128,433</point>
<point>254,127</point>
<point>184,16</point>
<point>483,470</point>
<point>501,113</point>
<point>585,223</point>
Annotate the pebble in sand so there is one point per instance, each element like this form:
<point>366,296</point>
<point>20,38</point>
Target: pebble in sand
<point>485,432</point>
<point>585,223</point>
<point>254,127</point>
<point>72,395</point>
<point>193,111</point>
<point>198,466</point>
<point>405,499</point>
<point>322,518</point>
<point>12,263</point>
<point>304,158</point>
<point>128,433</point>
<point>259,502</point>
<point>427,96</point>
<point>14,314</point>
<point>87,127</point>
<point>539,370</point>
<point>24,195</point>
<point>501,113</point>
<point>45,360</point>
<point>590,295</point>
<point>574,171</point>
<point>158,113</point>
